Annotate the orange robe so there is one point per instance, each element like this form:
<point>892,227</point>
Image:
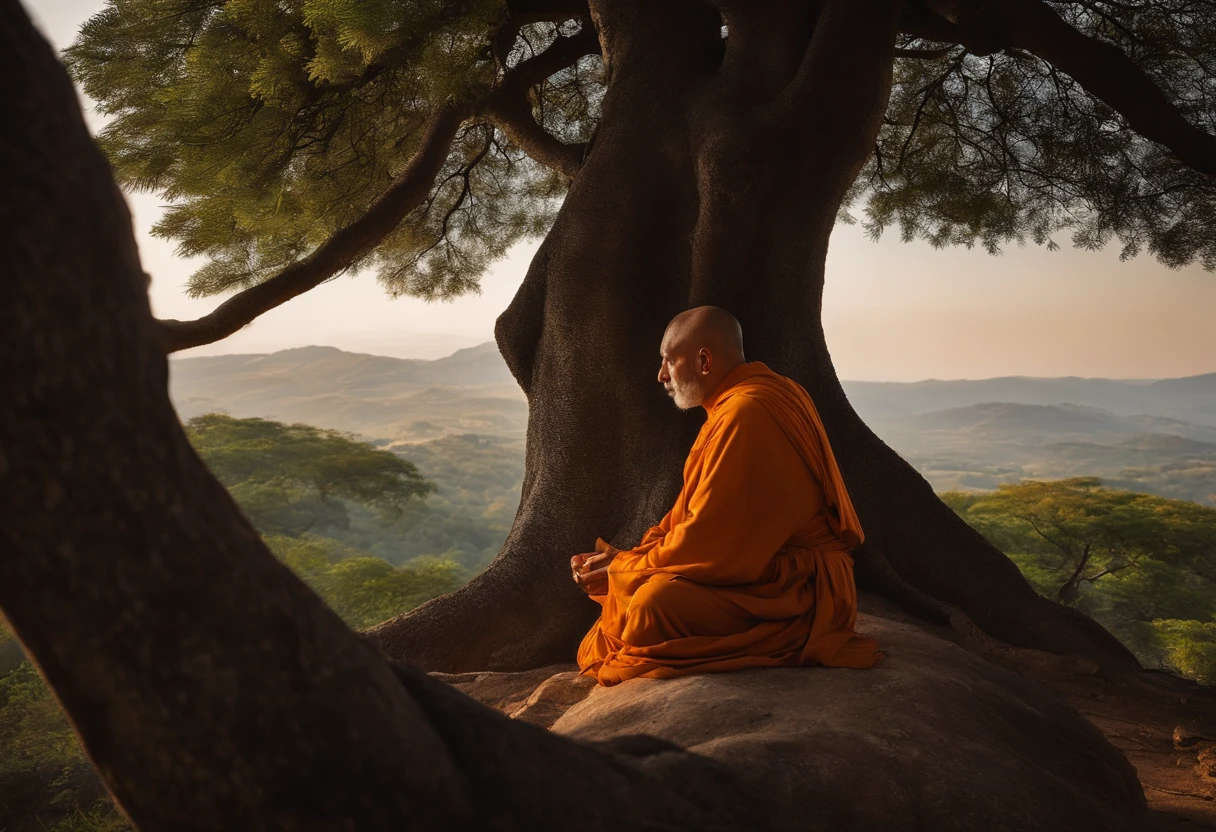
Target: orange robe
<point>752,565</point>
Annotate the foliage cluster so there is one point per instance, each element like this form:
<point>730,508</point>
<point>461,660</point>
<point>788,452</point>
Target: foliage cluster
<point>1143,566</point>
<point>271,126</point>
<point>1006,147</point>
<point>296,480</point>
<point>365,590</point>
<point>299,485</point>
<point>291,479</point>
<point>477,487</point>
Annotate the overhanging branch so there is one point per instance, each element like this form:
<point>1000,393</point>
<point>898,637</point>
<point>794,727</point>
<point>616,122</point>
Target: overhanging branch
<point>563,52</point>
<point>507,106</point>
<point>1102,69</point>
<point>1107,73</point>
<point>513,115</point>
<point>511,109</point>
<point>339,252</point>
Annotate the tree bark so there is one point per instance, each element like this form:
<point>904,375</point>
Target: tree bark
<point>209,686</point>
<point>720,185</point>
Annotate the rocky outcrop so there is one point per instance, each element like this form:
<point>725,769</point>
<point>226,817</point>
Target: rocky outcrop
<point>934,738</point>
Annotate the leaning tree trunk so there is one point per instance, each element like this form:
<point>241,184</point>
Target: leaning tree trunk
<point>210,687</point>
<point>719,185</point>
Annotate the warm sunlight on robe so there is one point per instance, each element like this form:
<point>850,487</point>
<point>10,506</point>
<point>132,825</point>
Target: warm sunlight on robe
<point>751,567</point>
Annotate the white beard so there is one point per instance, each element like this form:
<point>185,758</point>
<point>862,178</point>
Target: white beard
<point>686,396</point>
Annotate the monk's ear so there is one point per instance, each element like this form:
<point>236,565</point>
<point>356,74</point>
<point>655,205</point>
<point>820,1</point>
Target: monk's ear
<point>705,360</point>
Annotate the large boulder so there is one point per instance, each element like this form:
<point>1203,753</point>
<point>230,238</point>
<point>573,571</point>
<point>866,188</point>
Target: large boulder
<point>934,738</point>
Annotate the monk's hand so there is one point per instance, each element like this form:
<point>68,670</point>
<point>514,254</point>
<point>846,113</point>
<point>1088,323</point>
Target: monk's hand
<point>591,571</point>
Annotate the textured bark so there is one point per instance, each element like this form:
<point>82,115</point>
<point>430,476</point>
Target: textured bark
<point>210,687</point>
<point>720,186</point>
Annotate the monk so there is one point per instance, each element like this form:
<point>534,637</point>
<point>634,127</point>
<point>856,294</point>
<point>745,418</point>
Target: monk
<point>752,565</point>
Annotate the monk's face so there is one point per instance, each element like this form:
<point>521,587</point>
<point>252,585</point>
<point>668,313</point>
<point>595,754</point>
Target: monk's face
<point>682,370</point>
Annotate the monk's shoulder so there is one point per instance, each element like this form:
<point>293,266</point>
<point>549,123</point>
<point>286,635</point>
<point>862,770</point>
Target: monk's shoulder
<point>745,410</point>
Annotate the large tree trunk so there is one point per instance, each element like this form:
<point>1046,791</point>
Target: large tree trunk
<point>210,687</point>
<point>720,185</point>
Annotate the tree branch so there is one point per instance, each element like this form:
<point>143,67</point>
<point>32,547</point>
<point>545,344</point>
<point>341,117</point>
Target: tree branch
<point>1108,74</point>
<point>563,52</point>
<point>923,54</point>
<point>1063,547</point>
<point>1069,586</point>
<point>511,110</point>
<point>507,106</point>
<point>513,115</point>
<point>338,252</point>
<point>1101,68</point>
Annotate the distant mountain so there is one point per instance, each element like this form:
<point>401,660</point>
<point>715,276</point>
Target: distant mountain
<point>1006,420</point>
<point>1187,399</point>
<point>983,445</point>
<point>470,391</point>
<point>1153,435</point>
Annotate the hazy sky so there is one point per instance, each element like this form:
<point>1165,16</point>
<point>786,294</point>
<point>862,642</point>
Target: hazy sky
<point>892,311</point>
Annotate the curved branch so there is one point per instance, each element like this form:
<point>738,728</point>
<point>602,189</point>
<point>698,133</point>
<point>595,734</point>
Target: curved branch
<point>1107,73</point>
<point>1101,68</point>
<point>563,52</point>
<point>411,187</point>
<point>339,252</point>
<point>511,110</point>
<point>513,115</point>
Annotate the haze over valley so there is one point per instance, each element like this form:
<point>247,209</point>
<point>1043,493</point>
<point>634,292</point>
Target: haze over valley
<point>1157,436</point>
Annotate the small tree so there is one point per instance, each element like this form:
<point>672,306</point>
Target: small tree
<point>291,479</point>
<point>1144,566</point>
<point>1095,531</point>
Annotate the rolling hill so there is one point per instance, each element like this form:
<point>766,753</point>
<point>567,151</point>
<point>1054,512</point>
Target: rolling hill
<point>394,399</point>
<point>1153,435</point>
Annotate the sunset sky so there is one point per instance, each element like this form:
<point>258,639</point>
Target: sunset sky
<point>892,311</point>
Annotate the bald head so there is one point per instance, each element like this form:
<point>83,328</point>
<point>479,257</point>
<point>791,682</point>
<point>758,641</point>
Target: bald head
<point>700,346</point>
<point>709,326</point>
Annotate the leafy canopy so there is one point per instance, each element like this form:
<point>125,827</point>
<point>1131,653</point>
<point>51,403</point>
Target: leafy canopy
<point>365,590</point>
<point>271,125</point>
<point>1141,565</point>
<point>293,478</point>
<point>1005,147</point>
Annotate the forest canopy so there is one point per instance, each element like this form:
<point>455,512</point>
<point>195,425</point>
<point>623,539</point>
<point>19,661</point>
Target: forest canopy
<point>1142,566</point>
<point>299,139</point>
<point>294,478</point>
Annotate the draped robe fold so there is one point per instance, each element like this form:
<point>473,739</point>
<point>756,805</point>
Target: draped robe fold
<point>752,565</point>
